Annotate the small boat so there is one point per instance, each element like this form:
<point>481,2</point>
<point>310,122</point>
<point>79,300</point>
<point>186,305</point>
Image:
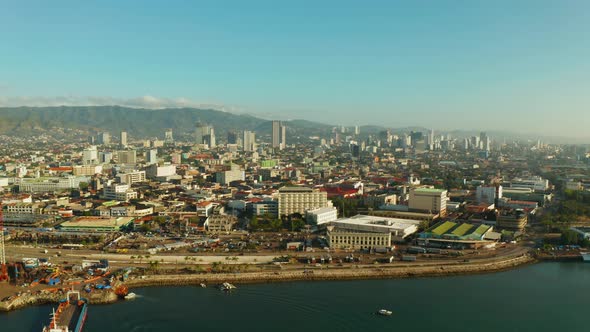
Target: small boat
<point>203,285</point>
<point>226,286</point>
<point>585,256</point>
<point>130,296</point>
<point>384,312</point>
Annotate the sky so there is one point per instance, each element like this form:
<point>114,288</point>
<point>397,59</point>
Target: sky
<point>518,65</point>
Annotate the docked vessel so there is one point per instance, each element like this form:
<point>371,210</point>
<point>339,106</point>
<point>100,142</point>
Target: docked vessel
<point>585,256</point>
<point>70,314</point>
<point>384,312</point>
<point>130,296</point>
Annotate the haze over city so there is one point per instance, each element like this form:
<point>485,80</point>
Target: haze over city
<point>496,65</point>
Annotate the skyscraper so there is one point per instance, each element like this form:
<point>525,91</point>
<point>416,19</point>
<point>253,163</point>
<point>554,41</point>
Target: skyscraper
<point>123,139</point>
<point>205,134</point>
<point>276,138</point>
<point>104,138</point>
<point>249,141</point>
<point>283,137</point>
<point>168,137</point>
<point>232,137</point>
<point>152,156</point>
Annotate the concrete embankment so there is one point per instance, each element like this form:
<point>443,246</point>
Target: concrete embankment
<point>382,271</point>
<point>27,299</point>
<point>378,272</point>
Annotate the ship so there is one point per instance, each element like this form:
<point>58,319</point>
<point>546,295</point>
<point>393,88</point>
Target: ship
<point>70,315</point>
<point>585,256</point>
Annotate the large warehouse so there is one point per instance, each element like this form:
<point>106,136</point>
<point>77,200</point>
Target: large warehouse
<point>449,234</point>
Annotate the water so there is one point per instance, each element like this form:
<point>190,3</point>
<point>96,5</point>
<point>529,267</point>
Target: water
<point>542,297</point>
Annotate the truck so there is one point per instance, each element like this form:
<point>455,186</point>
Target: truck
<point>416,250</point>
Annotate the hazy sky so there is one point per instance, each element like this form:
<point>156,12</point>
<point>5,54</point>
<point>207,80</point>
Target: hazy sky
<point>513,65</point>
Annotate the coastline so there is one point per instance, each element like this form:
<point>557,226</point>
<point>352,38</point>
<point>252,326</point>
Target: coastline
<point>383,271</point>
<point>364,273</point>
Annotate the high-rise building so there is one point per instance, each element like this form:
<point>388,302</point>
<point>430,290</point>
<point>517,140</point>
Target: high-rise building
<point>104,138</point>
<point>232,137</point>
<point>127,157</point>
<point>488,195</point>
<point>276,132</point>
<point>428,200</point>
<point>357,130</point>
<point>283,137</point>
<point>301,199</point>
<point>89,155</point>
<point>168,137</point>
<point>152,156</point>
<point>123,139</point>
<point>249,141</point>
<point>205,134</point>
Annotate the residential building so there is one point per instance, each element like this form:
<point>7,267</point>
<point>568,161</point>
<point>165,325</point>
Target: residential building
<point>87,170</point>
<point>220,223</point>
<point>300,200</point>
<point>132,177</point>
<point>119,192</point>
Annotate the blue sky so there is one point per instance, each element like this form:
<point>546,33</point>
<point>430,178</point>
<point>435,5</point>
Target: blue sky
<point>513,65</point>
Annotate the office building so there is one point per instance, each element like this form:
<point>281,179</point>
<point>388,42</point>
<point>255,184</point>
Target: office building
<point>151,156</point>
<point>488,194</point>
<point>428,200</point>
<point>276,132</point>
<point>127,157</point>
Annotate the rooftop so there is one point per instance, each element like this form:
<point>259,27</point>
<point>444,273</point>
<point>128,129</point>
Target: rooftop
<point>429,190</point>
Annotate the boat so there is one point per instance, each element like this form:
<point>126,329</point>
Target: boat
<point>203,285</point>
<point>130,296</point>
<point>384,312</point>
<point>70,315</point>
<point>226,286</point>
<point>585,256</point>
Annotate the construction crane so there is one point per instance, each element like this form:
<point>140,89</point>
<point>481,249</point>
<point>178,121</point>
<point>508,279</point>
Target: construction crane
<point>3,267</point>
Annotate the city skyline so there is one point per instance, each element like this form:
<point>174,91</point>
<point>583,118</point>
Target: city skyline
<point>487,66</point>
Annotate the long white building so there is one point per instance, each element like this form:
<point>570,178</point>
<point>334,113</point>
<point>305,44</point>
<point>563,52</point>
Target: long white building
<point>364,232</point>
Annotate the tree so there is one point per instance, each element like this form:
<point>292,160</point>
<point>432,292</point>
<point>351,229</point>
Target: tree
<point>570,237</point>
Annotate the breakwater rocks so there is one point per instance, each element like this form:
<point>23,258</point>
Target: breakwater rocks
<point>27,299</point>
<point>377,272</point>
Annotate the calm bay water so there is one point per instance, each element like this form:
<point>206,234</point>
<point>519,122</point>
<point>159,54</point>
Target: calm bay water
<point>542,297</point>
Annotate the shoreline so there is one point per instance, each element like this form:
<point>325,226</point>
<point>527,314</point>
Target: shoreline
<point>365,273</point>
<point>413,270</point>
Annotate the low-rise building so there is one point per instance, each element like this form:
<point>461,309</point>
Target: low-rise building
<point>220,223</point>
<point>322,215</point>
<point>368,232</point>
<point>97,224</point>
